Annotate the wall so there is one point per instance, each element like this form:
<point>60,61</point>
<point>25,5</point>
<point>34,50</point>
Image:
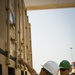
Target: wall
<point>14,37</point>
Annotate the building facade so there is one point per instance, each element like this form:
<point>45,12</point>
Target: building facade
<point>15,37</point>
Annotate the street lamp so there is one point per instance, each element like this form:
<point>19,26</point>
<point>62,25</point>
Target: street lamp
<point>71,54</point>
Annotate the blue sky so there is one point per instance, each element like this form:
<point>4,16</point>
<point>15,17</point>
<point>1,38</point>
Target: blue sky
<point>53,33</point>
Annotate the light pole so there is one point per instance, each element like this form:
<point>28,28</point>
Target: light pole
<point>71,54</point>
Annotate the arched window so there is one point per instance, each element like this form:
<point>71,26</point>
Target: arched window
<point>11,18</point>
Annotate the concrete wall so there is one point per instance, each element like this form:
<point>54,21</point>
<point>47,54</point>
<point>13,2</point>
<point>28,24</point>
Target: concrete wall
<point>48,4</point>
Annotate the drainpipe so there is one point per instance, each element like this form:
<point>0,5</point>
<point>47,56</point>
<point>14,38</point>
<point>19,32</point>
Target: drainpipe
<point>8,33</point>
<point>27,40</point>
<point>26,46</point>
<point>30,43</point>
<point>19,29</point>
<point>16,34</point>
<point>23,25</point>
<point>19,34</point>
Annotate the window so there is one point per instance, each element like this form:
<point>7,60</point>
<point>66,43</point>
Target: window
<point>22,73</point>
<point>11,71</point>
<point>0,69</point>
<point>11,18</point>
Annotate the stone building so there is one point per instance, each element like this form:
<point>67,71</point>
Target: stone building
<point>15,37</point>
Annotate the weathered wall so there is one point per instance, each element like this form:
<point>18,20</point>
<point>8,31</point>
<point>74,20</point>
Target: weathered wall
<point>14,37</point>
